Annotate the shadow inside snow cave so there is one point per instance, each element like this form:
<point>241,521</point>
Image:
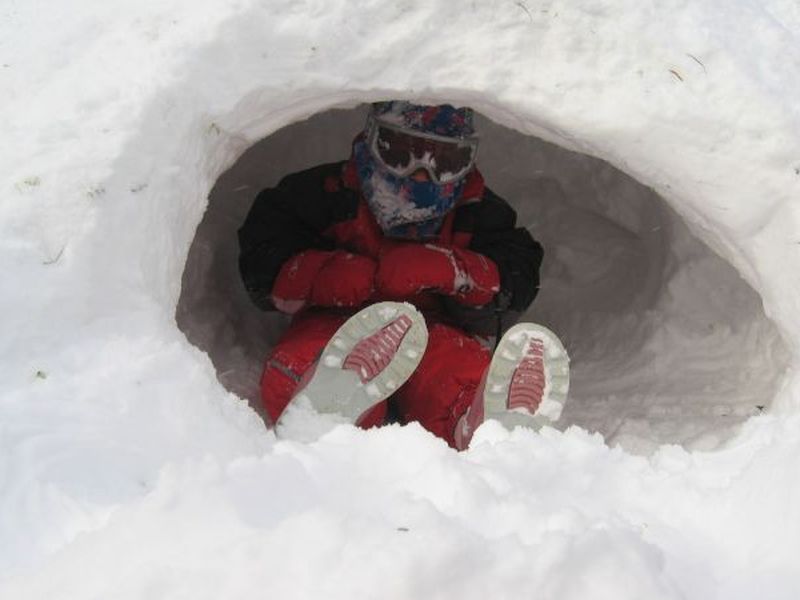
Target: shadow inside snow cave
<point>668,343</point>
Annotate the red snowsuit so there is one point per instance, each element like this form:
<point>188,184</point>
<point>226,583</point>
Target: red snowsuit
<point>311,247</point>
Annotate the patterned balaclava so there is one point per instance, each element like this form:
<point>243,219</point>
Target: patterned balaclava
<point>403,207</point>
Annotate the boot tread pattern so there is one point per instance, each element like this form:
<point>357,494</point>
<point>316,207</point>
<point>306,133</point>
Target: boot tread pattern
<point>528,377</point>
<point>371,355</point>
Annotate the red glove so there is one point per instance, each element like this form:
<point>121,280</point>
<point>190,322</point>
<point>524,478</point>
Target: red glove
<point>320,278</point>
<point>408,269</point>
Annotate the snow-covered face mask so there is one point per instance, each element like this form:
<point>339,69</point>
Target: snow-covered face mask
<point>403,207</point>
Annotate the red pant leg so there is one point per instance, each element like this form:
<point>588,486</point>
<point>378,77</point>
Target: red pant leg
<point>294,354</point>
<point>442,387</point>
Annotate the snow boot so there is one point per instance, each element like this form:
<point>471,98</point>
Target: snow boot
<point>525,384</point>
<point>371,355</point>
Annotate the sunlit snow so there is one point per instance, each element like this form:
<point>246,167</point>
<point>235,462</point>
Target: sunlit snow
<point>132,464</point>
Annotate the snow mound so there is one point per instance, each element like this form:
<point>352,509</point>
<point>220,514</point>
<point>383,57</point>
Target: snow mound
<point>668,343</point>
<point>126,469</point>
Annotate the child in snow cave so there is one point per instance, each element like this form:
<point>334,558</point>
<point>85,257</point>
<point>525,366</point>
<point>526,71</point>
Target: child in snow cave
<point>399,265</point>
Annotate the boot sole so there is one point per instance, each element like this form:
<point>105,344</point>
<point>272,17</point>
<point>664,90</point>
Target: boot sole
<point>507,357</point>
<point>336,390</point>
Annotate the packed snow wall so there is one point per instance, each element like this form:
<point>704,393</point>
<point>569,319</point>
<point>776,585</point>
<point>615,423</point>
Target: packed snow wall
<point>108,198</point>
<point>647,392</point>
<point>668,343</point>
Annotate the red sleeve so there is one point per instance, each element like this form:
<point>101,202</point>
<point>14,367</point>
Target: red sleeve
<point>323,278</point>
<point>408,269</point>
<point>482,278</point>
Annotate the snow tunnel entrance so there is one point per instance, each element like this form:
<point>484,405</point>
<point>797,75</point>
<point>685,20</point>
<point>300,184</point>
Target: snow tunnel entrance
<point>668,343</point>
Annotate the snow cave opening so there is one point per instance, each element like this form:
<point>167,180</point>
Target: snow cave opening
<point>668,343</point>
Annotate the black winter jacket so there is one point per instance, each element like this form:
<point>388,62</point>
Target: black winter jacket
<point>312,208</point>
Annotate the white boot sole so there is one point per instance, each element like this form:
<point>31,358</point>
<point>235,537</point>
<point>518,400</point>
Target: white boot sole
<point>337,391</point>
<point>507,357</point>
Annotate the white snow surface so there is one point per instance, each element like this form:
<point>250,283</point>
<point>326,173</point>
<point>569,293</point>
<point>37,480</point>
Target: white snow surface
<point>128,471</point>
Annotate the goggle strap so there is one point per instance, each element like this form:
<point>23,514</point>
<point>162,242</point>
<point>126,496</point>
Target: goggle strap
<point>375,123</point>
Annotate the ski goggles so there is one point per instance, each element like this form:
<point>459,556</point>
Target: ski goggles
<point>403,151</point>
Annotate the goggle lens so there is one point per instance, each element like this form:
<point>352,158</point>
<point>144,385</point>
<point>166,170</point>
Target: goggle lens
<point>401,152</point>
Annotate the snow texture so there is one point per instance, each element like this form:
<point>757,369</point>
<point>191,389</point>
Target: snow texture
<point>624,282</point>
<point>128,471</point>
